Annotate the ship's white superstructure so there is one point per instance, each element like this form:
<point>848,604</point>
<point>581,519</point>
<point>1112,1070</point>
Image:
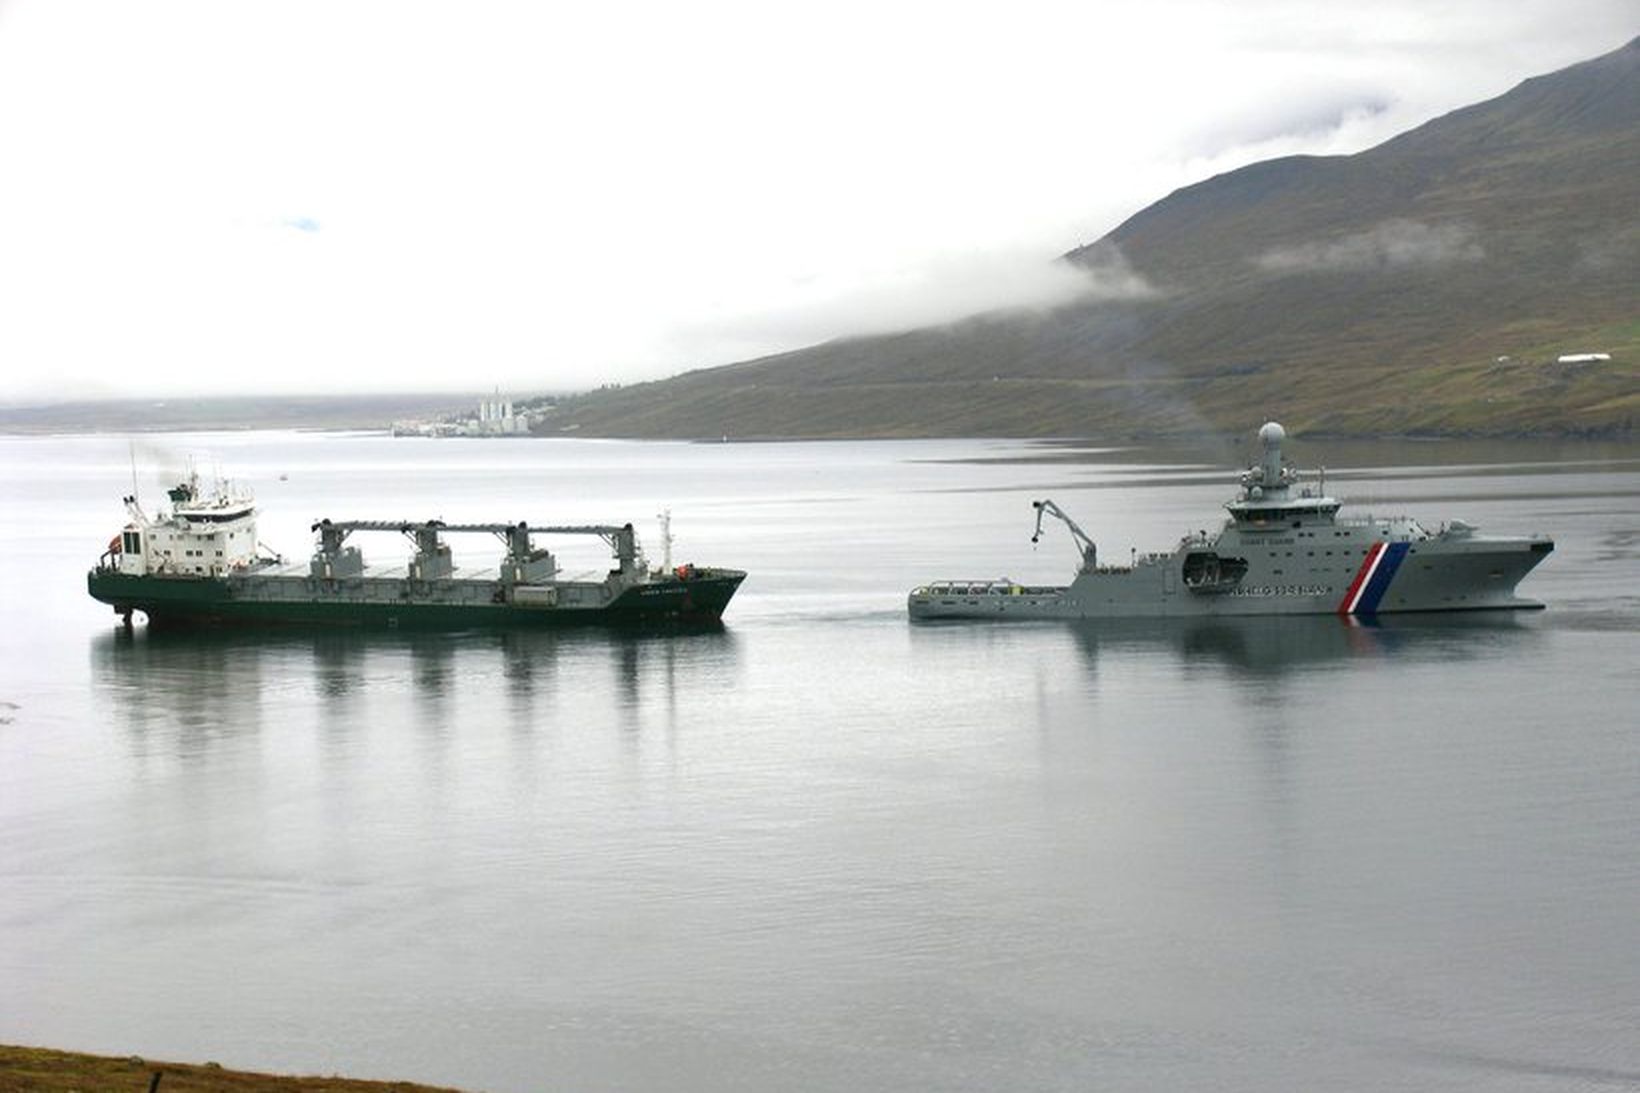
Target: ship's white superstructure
<point>201,535</point>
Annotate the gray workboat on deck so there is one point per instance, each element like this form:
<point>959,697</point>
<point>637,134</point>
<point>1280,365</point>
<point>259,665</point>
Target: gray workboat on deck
<point>1283,550</point>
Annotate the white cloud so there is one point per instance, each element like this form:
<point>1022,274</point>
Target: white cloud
<point>201,196</point>
<point>937,288</point>
<point>1393,244</point>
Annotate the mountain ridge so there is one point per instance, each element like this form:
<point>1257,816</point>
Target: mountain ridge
<point>1427,285</point>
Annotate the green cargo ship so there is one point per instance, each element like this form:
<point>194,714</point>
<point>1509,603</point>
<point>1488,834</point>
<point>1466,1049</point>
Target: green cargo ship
<point>200,564</point>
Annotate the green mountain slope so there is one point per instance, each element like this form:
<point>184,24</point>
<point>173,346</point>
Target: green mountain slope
<point>1426,285</point>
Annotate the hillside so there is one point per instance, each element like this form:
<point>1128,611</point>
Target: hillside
<point>1426,285</point>
<point>42,1070</point>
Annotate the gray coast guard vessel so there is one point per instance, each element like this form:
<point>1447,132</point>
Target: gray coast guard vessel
<point>1284,550</point>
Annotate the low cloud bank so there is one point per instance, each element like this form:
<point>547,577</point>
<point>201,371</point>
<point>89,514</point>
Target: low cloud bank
<point>1393,244</point>
<point>944,289</point>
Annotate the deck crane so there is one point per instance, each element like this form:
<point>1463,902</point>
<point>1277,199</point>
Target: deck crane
<point>1090,553</point>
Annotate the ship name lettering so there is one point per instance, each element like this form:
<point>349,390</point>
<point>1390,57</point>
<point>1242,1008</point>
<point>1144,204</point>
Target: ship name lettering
<point>1280,590</point>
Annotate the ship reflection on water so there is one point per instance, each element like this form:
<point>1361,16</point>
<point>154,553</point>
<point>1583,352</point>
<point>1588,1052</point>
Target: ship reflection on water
<point>1274,646</point>
<point>195,689</point>
<point>198,686</point>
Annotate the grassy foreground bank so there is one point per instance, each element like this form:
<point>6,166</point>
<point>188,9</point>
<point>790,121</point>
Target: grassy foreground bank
<point>32,1068</point>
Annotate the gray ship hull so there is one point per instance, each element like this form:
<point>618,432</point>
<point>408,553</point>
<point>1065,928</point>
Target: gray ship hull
<point>1474,574</point>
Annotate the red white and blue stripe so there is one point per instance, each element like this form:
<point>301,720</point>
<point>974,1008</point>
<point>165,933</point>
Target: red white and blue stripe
<point>1373,578</point>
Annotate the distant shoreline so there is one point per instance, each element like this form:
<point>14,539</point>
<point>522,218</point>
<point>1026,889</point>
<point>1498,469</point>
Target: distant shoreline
<point>224,414</point>
<point>378,413</point>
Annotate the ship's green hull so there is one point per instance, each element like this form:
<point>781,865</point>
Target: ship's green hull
<point>177,601</point>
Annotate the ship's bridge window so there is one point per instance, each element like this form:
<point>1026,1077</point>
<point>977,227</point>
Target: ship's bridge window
<point>131,542</point>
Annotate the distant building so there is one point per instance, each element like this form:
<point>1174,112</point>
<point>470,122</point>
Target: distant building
<point>496,418</point>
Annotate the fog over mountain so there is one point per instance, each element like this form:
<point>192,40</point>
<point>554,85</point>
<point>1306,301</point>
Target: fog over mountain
<point>380,196</point>
<point>1428,284</point>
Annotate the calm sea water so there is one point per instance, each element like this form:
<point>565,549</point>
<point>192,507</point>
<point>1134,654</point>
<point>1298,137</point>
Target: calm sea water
<point>823,849</point>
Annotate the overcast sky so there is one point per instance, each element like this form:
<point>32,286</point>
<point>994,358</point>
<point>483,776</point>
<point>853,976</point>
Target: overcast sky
<point>223,197</point>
